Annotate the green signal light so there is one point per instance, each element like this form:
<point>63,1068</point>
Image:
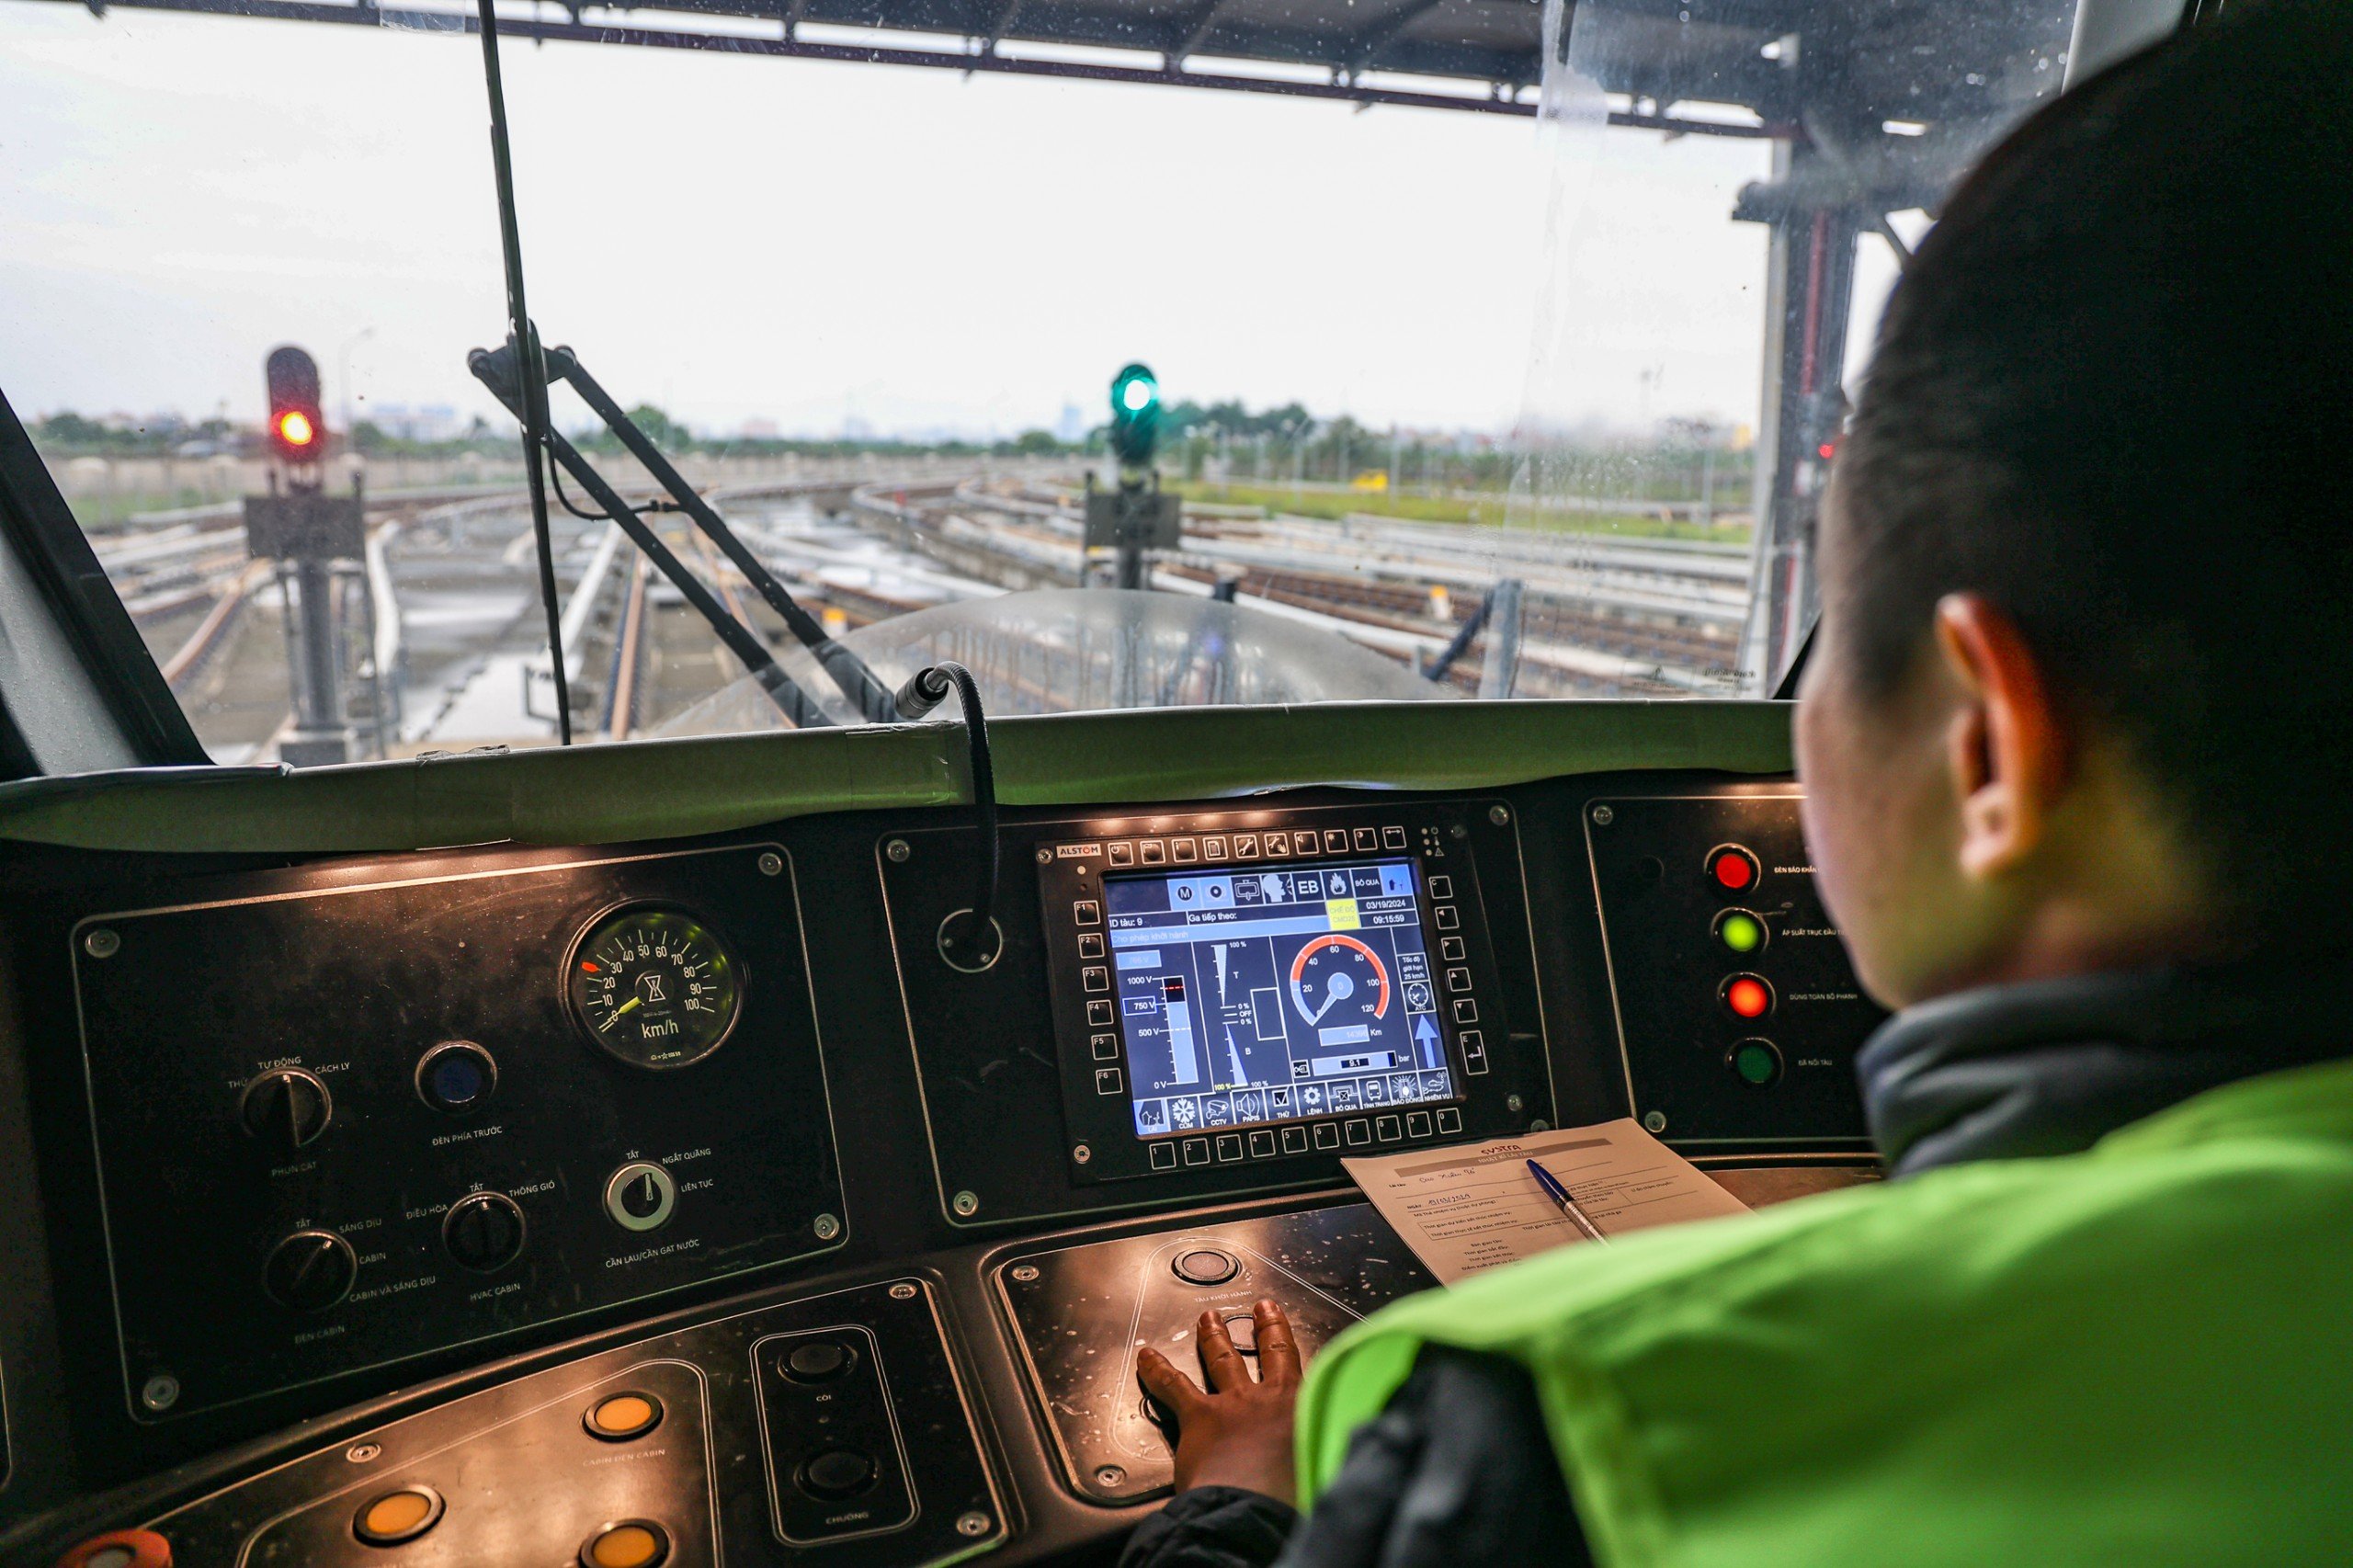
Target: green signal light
<point>1135,415</point>
<point>1741,931</point>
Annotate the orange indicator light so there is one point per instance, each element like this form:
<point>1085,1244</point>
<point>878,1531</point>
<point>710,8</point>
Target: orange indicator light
<point>294,426</point>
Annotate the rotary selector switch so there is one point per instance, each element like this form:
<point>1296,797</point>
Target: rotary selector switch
<point>483,1231</point>
<point>640,1196</point>
<point>286,1108</point>
<point>310,1271</point>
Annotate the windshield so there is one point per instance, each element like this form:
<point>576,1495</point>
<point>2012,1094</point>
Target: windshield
<point>1464,347</point>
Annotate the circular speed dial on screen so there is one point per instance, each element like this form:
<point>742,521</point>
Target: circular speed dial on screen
<point>654,987</point>
<point>1339,976</point>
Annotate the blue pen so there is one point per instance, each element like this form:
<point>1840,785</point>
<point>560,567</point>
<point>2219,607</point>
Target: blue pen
<point>1560,1195</point>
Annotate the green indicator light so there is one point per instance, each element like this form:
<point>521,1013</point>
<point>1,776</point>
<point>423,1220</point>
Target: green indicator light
<point>1756,1062</point>
<point>1741,931</point>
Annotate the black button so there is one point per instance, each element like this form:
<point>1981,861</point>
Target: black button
<point>456,1077</point>
<point>1206,1266</point>
<point>817,1360</point>
<point>483,1231</point>
<point>837,1472</point>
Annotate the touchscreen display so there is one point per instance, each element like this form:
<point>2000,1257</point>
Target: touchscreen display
<point>1256,996</point>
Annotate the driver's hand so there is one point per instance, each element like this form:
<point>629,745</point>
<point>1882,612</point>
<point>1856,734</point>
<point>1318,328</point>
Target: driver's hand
<point>1238,1434</point>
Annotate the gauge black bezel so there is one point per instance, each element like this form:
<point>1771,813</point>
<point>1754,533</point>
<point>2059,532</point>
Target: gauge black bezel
<point>596,922</point>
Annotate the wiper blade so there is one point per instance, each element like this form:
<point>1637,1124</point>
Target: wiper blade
<point>496,368</point>
<point>873,699</point>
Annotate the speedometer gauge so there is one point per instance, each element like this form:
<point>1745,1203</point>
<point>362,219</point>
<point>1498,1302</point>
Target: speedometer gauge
<point>653,987</point>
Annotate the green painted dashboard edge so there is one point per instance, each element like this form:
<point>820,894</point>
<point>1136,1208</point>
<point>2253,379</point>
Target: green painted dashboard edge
<point>667,788</point>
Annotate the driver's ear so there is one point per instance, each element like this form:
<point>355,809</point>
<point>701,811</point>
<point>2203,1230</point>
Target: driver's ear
<point>2005,745</point>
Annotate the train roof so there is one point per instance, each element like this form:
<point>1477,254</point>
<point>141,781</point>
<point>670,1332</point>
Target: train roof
<point>1785,68</point>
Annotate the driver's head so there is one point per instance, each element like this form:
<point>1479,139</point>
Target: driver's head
<point>2082,695</point>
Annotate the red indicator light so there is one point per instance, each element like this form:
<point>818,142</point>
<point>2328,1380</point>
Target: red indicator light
<point>1732,869</point>
<point>1828,451</point>
<point>294,428</point>
<point>1748,996</point>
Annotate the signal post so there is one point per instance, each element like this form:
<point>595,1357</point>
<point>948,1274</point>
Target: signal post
<point>306,533</point>
<point>1136,516</point>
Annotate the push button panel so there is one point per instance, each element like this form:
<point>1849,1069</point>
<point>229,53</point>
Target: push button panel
<point>837,1468</point>
<point>850,1442</point>
<point>547,1469</point>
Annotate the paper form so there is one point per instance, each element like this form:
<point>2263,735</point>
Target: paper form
<point>1467,1209</point>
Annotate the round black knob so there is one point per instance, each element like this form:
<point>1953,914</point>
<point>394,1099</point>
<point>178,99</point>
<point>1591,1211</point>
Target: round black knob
<point>456,1077</point>
<point>641,1195</point>
<point>817,1360</point>
<point>483,1231</point>
<point>286,1108</point>
<point>1205,1266</point>
<point>836,1474</point>
<point>310,1270</point>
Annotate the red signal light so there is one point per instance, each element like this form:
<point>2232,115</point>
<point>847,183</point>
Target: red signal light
<point>298,421</point>
<point>1827,451</point>
<point>1732,869</point>
<point>1747,996</point>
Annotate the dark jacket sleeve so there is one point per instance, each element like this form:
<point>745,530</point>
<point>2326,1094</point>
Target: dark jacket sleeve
<point>1458,1470</point>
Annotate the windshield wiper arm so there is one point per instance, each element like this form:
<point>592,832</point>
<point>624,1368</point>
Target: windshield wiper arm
<point>498,369</point>
<point>858,683</point>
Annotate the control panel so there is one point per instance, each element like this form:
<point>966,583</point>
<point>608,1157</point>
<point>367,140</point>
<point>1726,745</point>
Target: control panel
<point>1221,1001</point>
<point>1738,1015</point>
<point>835,1429</point>
<point>396,1116</point>
<point>1081,1313</point>
<point>1324,987</point>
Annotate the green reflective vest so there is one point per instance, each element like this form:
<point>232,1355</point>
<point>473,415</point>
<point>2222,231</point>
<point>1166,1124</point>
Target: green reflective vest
<point>2138,1354</point>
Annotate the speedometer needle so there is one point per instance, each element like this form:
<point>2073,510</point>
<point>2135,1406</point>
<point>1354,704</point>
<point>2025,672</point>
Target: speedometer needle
<point>629,1006</point>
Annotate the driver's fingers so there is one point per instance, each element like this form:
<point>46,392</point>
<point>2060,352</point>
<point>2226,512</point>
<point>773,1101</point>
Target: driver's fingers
<point>1277,1350</point>
<point>1219,1359</point>
<point>1166,1383</point>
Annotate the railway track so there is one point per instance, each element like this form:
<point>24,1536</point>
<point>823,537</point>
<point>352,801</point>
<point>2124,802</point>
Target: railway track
<point>1600,614</point>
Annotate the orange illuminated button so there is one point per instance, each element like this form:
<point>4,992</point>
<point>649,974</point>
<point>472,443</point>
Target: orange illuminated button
<point>391,1518</point>
<point>1747,996</point>
<point>621,1417</point>
<point>630,1543</point>
<point>120,1549</point>
<point>1732,869</point>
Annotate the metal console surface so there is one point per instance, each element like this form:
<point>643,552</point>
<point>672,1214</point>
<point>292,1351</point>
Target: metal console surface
<point>347,1121</point>
<point>718,1440</point>
<point>1080,1313</point>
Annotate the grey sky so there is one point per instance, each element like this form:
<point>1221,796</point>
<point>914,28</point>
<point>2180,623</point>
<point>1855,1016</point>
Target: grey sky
<point>741,238</point>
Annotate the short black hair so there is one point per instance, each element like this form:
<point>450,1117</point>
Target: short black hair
<point>2113,393</point>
